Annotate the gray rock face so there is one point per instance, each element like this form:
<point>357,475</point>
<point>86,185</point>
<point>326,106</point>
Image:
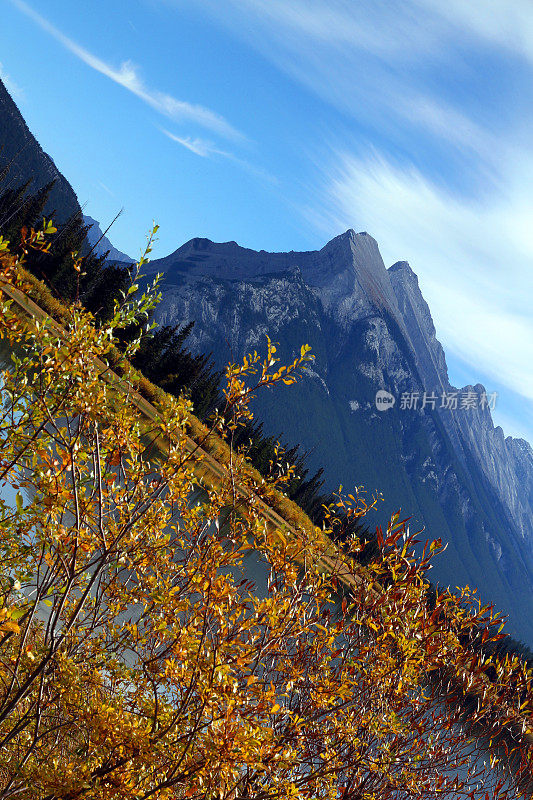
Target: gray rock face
<point>101,243</point>
<point>348,274</point>
<point>370,329</point>
<point>507,463</point>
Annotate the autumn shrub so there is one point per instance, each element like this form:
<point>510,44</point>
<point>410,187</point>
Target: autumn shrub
<point>161,637</point>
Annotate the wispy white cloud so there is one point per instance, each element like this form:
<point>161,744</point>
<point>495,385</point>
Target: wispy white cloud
<point>336,23</point>
<point>504,23</point>
<point>206,149</point>
<point>453,125</point>
<point>474,258</point>
<point>403,29</point>
<point>106,188</point>
<point>381,62</point>
<point>127,76</point>
<point>198,146</point>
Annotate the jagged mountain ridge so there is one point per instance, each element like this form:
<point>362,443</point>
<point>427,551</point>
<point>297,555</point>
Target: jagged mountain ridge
<point>25,160</point>
<point>508,471</point>
<point>370,329</point>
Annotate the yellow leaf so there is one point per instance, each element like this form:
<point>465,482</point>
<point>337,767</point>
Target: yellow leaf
<point>9,626</point>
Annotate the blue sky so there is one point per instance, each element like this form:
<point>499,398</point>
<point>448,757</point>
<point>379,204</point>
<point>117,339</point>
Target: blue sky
<point>280,123</point>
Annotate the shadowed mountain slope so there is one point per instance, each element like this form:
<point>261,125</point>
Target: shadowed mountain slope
<point>22,159</point>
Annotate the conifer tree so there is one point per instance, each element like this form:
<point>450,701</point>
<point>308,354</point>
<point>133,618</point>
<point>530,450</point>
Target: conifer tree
<point>164,359</point>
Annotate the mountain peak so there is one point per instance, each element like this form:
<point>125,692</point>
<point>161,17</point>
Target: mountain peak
<point>202,243</point>
<point>348,271</point>
<point>400,265</point>
<point>351,237</point>
<point>403,267</point>
<point>349,234</point>
<point>199,243</point>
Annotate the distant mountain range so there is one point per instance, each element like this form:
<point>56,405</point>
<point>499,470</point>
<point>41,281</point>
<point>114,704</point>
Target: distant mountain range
<point>376,409</point>
<point>101,244</point>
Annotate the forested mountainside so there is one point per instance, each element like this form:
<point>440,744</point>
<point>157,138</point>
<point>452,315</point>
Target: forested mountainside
<point>22,159</point>
<point>370,330</point>
<point>31,187</point>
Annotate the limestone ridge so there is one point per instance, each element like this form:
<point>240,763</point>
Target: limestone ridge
<point>369,328</point>
<point>504,461</point>
<point>347,275</point>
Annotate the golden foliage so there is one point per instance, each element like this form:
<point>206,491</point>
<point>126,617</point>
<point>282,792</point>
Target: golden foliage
<point>138,657</point>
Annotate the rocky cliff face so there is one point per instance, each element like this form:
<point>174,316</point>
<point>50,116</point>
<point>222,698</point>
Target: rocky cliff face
<point>506,462</point>
<point>370,329</point>
<point>22,159</point>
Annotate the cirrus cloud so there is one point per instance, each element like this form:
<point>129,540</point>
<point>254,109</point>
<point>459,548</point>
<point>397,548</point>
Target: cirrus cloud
<point>127,75</point>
